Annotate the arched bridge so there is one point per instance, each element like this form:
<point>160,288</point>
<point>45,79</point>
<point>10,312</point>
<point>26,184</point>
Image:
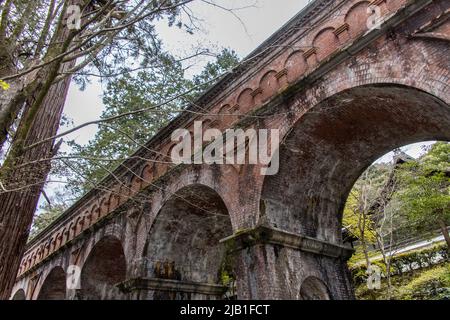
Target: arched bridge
<point>341,91</point>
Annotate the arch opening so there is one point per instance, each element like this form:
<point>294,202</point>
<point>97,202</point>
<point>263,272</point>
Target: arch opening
<point>54,286</point>
<point>332,144</point>
<point>104,268</point>
<point>19,295</point>
<point>326,151</point>
<point>314,289</point>
<point>183,243</point>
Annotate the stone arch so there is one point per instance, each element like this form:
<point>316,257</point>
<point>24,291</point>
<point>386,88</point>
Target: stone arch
<point>184,240</point>
<point>103,269</point>
<point>295,65</point>
<point>54,285</point>
<point>313,288</point>
<point>19,295</point>
<point>356,18</point>
<point>325,43</point>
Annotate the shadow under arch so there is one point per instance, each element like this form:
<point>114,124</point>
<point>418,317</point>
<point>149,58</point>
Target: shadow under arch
<point>19,295</point>
<point>104,268</point>
<point>54,286</point>
<point>183,242</point>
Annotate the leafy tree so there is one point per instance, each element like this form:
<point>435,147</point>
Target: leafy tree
<point>358,210</point>
<point>43,220</point>
<point>425,189</point>
<point>225,61</point>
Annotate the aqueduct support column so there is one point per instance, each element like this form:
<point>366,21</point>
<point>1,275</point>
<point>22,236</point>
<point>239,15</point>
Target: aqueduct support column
<point>275,264</point>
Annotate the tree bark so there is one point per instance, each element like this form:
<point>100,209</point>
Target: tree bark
<point>17,207</point>
<point>23,183</point>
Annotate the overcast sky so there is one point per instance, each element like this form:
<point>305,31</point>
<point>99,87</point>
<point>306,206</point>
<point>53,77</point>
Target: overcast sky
<point>219,28</point>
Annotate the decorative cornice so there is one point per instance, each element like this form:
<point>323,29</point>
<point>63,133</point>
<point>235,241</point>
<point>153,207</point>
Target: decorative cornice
<point>341,29</point>
<point>308,53</point>
<point>376,2</point>
<point>256,92</point>
<point>171,286</point>
<point>269,235</point>
<point>281,73</point>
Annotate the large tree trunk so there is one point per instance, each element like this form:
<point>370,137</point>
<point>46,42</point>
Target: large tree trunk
<point>23,183</point>
<point>17,207</point>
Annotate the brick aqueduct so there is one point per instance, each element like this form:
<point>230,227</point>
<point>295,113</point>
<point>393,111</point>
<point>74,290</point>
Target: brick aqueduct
<point>341,94</point>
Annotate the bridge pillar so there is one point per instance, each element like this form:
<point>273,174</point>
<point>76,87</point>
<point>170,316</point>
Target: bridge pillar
<point>275,264</point>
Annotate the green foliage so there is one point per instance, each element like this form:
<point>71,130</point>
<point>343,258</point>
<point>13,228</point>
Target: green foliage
<point>431,284</point>
<point>357,211</point>
<point>425,187</point>
<point>48,214</point>
<point>225,62</point>
<point>408,261</point>
<point>428,284</point>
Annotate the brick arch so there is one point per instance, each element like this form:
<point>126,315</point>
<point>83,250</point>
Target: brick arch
<point>295,65</point>
<point>104,267</point>
<point>225,114</point>
<point>54,285</point>
<point>356,18</point>
<point>104,205</point>
<point>327,148</point>
<point>147,174</point>
<point>72,229</point>
<point>325,42</point>
<point>95,212</point>
<point>114,199</point>
<point>159,165</point>
<point>19,294</point>
<point>88,218</point>
<point>375,73</point>
<point>198,219</point>
<point>268,85</point>
<point>79,224</point>
<point>313,288</point>
<point>245,100</point>
<point>169,153</point>
<point>135,184</point>
<point>406,115</point>
<point>59,239</point>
